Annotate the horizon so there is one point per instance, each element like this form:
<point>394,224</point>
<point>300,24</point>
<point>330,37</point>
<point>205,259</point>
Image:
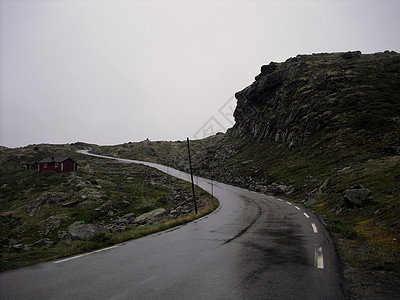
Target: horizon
<point>218,123</point>
<point>109,72</point>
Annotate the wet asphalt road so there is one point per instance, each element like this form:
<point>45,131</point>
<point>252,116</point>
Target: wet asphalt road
<point>252,247</point>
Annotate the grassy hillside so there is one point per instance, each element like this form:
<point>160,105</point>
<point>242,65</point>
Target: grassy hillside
<point>37,209</point>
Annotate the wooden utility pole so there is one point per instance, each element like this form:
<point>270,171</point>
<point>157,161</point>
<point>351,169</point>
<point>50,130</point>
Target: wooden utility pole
<point>191,176</point>
<point>308,177</point>
<point>212,188</point>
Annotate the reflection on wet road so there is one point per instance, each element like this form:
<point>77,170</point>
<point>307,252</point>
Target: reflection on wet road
<point>252,247</point>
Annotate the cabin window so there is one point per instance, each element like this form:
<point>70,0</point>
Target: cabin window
<point>56,165</point>
<point>45,166</point>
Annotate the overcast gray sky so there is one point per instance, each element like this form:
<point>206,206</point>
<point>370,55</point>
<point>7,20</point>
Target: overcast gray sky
<point>114,71</point>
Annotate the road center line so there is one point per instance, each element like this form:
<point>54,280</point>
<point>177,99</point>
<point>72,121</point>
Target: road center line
<point>279,199</point>
<point>314,228</point>
<point>297,208</point>
<point>319,258</point>
<point>307,216</point>
<point>85,254</point>
<point>288,203</point>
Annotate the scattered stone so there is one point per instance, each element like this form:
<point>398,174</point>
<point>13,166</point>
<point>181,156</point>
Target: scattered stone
<point>88,193</point>
<point>261,188</point>
<point>6,242</point>
<point>72,203</point>
<point>129,217</point>
<point>27,247</point>
<point>356,195</point>
<point>17,247</point>
<point>44,243</point>
<point>344,170</point>
<point>316,193</point>
<point>104,207</point>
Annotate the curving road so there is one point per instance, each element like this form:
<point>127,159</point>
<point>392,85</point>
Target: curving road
<point>252,247</point>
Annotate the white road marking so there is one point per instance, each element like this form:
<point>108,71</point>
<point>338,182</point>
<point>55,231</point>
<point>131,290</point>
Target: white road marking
<point>85,254</point>
<point>307,216</point>
<point>279,199</point>
<point>288,203</point>
<point>314,228</point>
<point>297,208</point>
<point>319,258</point>
<point>147,280</point>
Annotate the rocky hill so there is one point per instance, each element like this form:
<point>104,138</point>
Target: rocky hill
<point>308,93</point>
<point>324,130</point>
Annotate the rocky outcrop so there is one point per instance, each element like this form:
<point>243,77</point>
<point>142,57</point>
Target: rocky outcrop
<point>280,105</point>
<point>356,195</point>
<point>45,198</point>
<point>53,223</point>
<point>81,231</point>
<point>290,101</point>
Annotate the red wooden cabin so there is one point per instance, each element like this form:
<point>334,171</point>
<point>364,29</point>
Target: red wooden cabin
<point>64,164</point>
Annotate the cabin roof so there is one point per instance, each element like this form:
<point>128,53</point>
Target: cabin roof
<point>48,160</point>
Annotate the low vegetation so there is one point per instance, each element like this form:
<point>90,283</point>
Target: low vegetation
<point>37,208</point>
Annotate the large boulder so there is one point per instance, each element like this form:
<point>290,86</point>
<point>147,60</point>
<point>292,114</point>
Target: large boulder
<point>356,195</point>
<point>81,231</point>
<point>281,189</point>
<point>150,216</point>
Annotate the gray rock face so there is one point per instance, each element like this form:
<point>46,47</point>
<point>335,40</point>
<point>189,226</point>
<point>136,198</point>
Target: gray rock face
<point>145,218</point>
<point>129,217</point>
<point>316,193</point>
<point>81,231</point>
<point>52,223</point>
<point>46,198</point>
<point>356,195</point>
<point>290,101</point>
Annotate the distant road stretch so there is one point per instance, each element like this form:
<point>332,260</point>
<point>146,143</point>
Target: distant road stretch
<point>252,247</point>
